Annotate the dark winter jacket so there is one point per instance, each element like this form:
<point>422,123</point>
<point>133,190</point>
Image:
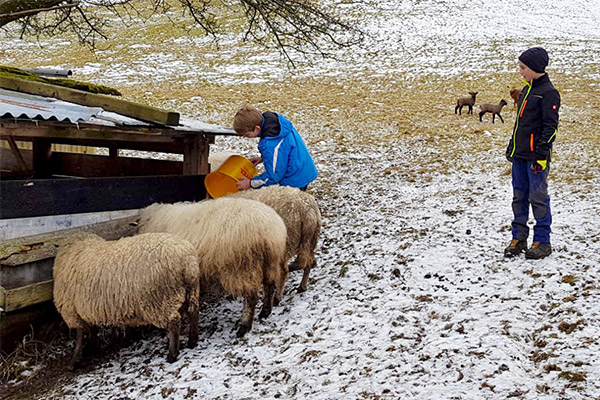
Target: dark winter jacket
<point>537,121</point>
<point>285,157</point>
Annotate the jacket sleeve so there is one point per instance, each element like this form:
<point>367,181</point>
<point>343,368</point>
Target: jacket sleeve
<point>275,161</point>
<point>550,106</point>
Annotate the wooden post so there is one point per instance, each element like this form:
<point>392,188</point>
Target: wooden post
<point>113,152</point>
<point>42,150</point>
<point>195,156</point>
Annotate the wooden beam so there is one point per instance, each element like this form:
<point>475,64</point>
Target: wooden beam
<point>87,165</point>
<point>20,198</point>
<point>17,153</point>
<point>14,299</point>
<point>108,103</point>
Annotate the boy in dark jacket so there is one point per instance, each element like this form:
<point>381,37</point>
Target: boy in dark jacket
<point>530,150</point>
<point>284,155</point>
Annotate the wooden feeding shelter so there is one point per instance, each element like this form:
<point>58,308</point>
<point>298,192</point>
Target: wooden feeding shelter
<point>44,191</point>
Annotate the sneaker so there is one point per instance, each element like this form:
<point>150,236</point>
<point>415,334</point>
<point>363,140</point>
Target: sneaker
<point>515,248</point>
<point>538,250</point>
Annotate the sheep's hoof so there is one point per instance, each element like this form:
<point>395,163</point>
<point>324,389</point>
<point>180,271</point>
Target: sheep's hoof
<point>192,343</point>
<point>171,358</point>
<point>276,301</point>
<point>242,331</point>
<point>301,289</point>
<point>264,314</point>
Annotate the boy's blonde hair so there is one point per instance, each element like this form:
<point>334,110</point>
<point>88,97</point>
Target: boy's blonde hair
<point>246,119</point>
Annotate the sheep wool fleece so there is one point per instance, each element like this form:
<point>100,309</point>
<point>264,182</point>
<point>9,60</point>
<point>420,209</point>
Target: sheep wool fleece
<point>285,157</point>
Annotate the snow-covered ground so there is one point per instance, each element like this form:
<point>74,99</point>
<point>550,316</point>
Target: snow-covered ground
<point>411,298</point>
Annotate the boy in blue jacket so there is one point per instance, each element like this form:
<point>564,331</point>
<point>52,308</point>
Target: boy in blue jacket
<point>284,155</point>
<point>530,150</point>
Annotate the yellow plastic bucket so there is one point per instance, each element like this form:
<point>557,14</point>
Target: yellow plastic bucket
<point>224,180</point>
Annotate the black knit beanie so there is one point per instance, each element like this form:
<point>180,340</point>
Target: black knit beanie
<point>535,58</point>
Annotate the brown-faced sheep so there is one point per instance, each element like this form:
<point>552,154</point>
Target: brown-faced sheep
<point>492,108</point>
<point>515,94</point>
<point>140,280</point>
<point>300,213</point>
<point>240,245</point>
<point>465,101</point>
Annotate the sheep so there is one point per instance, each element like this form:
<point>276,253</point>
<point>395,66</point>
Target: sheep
<point>300,213</point>
<point>494,109</point>
<point>465,101</point>
<point>515,94</point>
<point>139,280</point>
<point>217,159</point>
<point>240,245</point>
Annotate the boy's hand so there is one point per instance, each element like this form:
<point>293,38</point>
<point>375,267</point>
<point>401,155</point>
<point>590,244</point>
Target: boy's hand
<point>539,165</point>
<point>255,160</point>
<point>244,184</point>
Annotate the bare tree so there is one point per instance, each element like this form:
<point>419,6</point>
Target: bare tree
<point>299,25</point>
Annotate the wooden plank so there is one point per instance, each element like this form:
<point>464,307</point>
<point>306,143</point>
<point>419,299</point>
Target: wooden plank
<point>22,198</point>
<point>195,156</point>
<point>25,131</point>
<point>14,299</point>
<point>103,166</point>
<point>172,147</point>
<point>108,103</point>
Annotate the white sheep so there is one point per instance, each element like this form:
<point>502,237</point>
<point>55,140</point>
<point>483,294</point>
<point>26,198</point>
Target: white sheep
<point>302,217</point>
<point>240,245</point>
<point>217,159</point>
<point>139,280</point>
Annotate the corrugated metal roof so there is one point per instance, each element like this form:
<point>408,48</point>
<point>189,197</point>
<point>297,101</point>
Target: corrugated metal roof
<point>22,105</point>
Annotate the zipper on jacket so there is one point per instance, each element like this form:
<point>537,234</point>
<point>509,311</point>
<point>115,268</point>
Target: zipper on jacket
<point>531,142</point>
<point>529,86</point>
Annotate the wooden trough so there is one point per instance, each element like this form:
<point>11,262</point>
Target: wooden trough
<point>41,184</point>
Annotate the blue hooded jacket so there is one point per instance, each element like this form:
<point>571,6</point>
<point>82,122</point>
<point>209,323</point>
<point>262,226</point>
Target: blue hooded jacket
<point>285,157</point>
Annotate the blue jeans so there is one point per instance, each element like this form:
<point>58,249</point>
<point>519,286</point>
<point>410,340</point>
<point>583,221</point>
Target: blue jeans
<point>530,187</point>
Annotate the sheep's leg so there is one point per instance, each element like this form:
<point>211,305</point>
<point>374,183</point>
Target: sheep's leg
<point>500,116</point>
<point>192,313</point>
<point>456,109</point>
<point>77,354</point>
<point>281,284</point>
<point>493,117</point>
<point>481,114</point>
<point>269,289</point>
<point>294,265</point>
<point>250,301</point>
<point>94,345</point>
<point>173,328</point>
<point>470,110</point>
<point>304,283</point>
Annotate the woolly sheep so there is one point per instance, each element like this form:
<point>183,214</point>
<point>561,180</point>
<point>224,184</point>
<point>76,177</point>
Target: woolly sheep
<point>139,280</point>
<point>465,101</point>
<point>217,159</point>
<point>240,245</point>
<point>494,109</point>
<point>300,213</point>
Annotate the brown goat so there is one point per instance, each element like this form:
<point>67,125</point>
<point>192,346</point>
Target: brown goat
<point>515,93</point>
<point>494,109</point>
<point>465,101</point>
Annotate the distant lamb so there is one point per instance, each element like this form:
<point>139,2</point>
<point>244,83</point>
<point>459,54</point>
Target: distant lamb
<point>240,245</point>
<point>492,108</point>
<point>515,94</point>
<point>465,101</point>
<point>139,280</point>
<point>300,213</point>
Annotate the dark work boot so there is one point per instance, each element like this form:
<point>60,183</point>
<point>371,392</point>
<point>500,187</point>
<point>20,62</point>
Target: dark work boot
<point>538,250</point>
<point>515,248</point>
